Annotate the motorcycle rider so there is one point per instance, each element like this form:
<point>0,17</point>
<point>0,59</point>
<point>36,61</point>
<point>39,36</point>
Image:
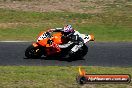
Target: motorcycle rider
<point>73,36</point>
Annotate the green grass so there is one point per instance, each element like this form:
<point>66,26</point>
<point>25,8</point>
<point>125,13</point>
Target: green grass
<point>54,76</point>
<point>102,33</point>
<point>114,25</point>
<point>111,25</point>
<point>31,17</point>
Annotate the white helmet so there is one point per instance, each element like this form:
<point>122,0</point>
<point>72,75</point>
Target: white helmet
<point>68,28</point>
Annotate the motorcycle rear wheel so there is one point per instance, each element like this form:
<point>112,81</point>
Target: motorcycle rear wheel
<point>80,53</point>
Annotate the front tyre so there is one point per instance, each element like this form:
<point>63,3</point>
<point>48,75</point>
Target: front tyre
<point>33,52</point>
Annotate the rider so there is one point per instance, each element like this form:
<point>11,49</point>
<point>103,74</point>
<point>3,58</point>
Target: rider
<point>73,35</point>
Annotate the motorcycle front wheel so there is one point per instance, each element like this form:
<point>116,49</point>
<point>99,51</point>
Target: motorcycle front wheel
<point>33,52</point>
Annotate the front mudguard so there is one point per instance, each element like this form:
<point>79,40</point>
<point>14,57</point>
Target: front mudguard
<point>35,44</point>
<point>33,52</point>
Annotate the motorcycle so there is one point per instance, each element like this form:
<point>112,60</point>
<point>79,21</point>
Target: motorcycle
<point>47,45</point>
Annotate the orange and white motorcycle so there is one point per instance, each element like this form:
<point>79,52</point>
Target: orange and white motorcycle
<point>48,45</point>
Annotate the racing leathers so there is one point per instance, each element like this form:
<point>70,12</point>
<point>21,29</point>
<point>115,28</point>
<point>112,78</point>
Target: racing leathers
<point>74,38</point>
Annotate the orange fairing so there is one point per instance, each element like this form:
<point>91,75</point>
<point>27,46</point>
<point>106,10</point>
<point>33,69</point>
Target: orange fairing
<point>40,33</point>
<point>43,42</point>
<point>57,38</point>
<point>92,37</point>
<point>52,49</point>
<point>81,72</point>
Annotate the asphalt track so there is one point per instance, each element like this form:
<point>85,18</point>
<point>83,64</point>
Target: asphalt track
<point>100,54</point>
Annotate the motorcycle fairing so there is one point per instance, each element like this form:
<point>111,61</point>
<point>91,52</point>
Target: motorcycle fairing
<point>87,38</point>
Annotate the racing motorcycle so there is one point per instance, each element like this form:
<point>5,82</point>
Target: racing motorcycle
<point>47,45</point>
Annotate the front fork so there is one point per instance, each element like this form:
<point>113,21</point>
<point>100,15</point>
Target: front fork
<point>36,46</point>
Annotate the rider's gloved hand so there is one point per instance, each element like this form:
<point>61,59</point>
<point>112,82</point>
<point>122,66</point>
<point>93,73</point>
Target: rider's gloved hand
<point>63,37</point>
<point>51,30</point>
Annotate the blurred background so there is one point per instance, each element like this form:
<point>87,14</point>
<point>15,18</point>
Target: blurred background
<point>108,20</point>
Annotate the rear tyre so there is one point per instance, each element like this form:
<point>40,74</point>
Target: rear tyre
<point>83,51</point>
<point>80,53</point>
<point>33,52</point>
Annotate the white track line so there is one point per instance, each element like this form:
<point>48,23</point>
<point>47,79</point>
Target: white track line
<point>15,41</point>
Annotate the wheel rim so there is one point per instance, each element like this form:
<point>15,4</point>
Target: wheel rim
<point>33,52</point>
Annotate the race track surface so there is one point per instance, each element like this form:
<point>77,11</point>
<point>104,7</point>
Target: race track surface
<point>100,54</point>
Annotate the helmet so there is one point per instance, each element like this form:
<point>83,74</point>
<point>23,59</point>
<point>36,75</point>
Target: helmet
<point>68,28</point>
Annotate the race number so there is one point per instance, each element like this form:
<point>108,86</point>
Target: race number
<point>86,37</point>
